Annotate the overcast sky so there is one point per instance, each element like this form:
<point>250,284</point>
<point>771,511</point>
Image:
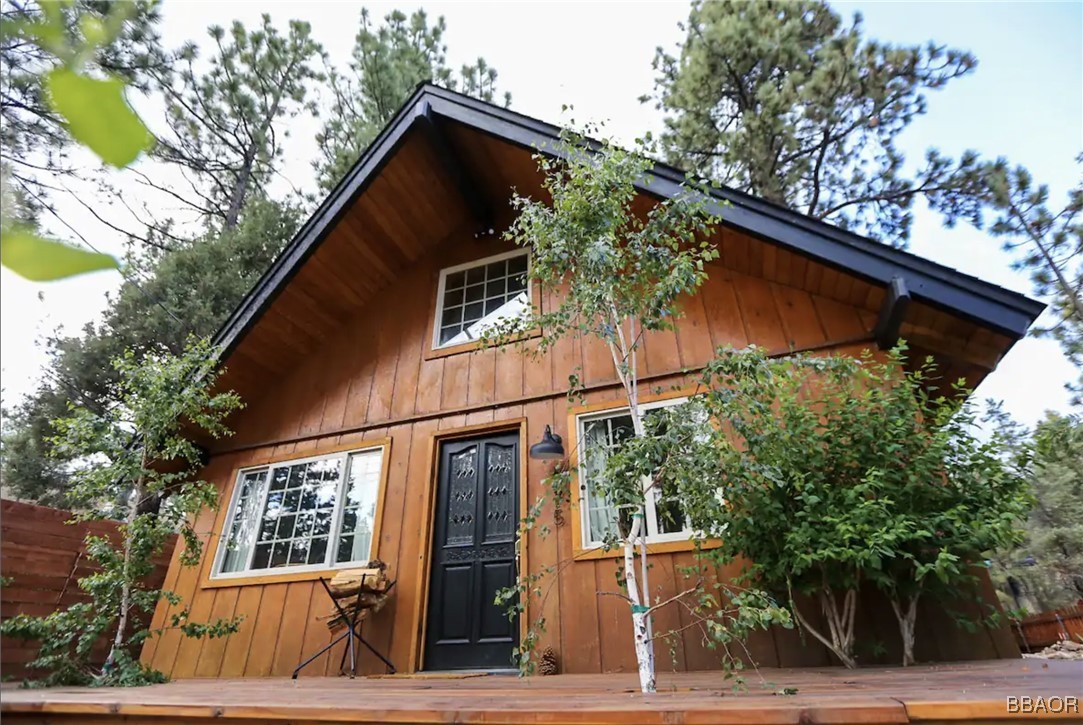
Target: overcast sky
<point>1025,102</point>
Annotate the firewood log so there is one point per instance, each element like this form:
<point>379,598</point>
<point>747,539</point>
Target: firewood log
<point>348,581</point>
<point>367,600</point>
<point>335,621</point>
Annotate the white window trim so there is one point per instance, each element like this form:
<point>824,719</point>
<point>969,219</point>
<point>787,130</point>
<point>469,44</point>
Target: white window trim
<point>651,512</point>
<point>460,268</point>
<point>336,519</point>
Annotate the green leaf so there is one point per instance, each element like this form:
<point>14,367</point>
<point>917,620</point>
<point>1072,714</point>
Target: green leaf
<point>43,260</point>
<point>98,116</point>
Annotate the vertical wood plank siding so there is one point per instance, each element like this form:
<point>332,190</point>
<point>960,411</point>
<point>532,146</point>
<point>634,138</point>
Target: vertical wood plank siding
<point>373,376</point>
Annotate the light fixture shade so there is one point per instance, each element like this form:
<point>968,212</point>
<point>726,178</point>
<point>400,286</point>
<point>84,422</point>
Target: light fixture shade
<point>550,448</point>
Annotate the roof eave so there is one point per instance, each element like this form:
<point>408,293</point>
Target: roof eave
<point>994,307</point>
<point>987,304</point>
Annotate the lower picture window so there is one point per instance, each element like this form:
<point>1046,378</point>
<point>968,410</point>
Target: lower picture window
<point>316,513</point>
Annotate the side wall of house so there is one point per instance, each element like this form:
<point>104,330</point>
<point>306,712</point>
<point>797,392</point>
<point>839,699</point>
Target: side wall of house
<point>376,381</point>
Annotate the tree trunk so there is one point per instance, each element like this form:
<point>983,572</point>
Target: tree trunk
<point>126,586</point>
<point>643,645</point>
<point>151,504</point>
<point>240,191</point>
<point>840,624</point>
<point>624,363</point>
<point>907,625</point>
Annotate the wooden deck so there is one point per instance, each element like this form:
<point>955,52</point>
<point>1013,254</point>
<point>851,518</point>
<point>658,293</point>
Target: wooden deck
<point>959,692</point>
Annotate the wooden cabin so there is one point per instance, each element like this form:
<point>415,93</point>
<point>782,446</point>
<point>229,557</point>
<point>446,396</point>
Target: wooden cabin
<point>375,428</point>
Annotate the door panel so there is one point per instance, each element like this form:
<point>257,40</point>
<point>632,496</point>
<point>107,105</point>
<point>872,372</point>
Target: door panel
<point>454,619</point>
<point>473,556</point>
<point>495,625</point>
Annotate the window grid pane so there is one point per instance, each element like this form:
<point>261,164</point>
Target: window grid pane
<point>600,436</point>
<point>359,507</point>
<point>242,530</point>
<point>314,513</point>
<point>297,515</point>
<point>476,299</point>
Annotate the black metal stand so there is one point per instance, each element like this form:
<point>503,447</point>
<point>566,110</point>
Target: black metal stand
<point>351,634</point>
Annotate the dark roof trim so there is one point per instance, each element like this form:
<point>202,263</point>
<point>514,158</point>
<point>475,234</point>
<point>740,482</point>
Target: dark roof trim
<point>991,306</point>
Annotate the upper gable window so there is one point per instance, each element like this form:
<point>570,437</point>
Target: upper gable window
<point>473,297</point>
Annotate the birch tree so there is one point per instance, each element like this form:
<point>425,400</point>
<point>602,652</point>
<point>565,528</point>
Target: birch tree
<point>617,274</point>
<point>136,450</point>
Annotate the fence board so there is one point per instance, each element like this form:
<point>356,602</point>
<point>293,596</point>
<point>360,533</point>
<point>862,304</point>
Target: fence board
<point>43,557</point>
<point>1041,630</point>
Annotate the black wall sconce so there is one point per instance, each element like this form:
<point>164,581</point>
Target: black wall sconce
<point>549,448</point>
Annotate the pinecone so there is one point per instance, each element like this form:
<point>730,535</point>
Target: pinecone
<point>547,663</point>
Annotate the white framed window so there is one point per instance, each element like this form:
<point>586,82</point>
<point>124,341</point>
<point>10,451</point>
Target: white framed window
<point>599,518</point>
<point>307,514</point>
<point>473,297</point>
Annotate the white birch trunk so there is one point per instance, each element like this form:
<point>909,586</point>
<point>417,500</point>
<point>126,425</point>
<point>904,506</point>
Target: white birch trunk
<point>638,591</point>
<point>126,587</point>
<point>643,644</point>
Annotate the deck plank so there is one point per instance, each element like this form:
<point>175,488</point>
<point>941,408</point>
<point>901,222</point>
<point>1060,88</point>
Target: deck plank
<point>953,692</point>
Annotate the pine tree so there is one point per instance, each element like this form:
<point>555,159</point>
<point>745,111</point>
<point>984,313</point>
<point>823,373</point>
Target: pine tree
<point>226,120</point>
<point>388,62</point>
<point>1046,572</point>
<point>226,124</point>
<point>785,101</point>
<point>1048,245</point>
<point>225,128</point>
<point>189,290</point>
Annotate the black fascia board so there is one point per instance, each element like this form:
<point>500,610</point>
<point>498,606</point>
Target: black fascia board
<point>991,306</point>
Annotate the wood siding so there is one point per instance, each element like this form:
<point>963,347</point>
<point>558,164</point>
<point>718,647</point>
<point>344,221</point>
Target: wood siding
<point>371,379</point>
<point>413,208</point>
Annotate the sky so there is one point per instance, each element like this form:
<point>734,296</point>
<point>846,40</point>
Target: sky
<point>1024,102</point>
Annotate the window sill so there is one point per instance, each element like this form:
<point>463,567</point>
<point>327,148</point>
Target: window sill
<point>284,577</point>
<point>439,352</point>
<point>661,547</point>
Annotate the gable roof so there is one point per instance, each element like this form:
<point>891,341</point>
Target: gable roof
<point>1000,310</point>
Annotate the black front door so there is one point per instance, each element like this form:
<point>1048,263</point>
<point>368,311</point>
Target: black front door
<point>473,554</point>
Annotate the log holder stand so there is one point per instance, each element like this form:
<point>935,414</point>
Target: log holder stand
<point>352,632</point>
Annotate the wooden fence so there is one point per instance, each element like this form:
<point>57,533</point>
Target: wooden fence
<point>1041,630</point>
<point>42,558</point>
